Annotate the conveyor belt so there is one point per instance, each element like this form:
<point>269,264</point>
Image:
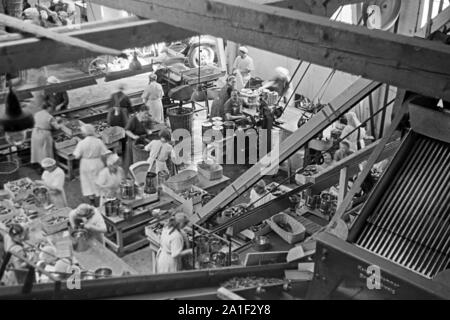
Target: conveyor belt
<point>411,224</point>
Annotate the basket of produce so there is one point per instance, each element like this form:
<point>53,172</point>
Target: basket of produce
<point>63,141</point>
<point>210,171</point>
<point>7,210</point>
<point>21,219</point>
<point>56,221</point>
<point>182,181</point>
<point>20,189</point>
<point>71,127</point>
<point>194,193</point>
<point>289,229</point>
<point>112,134</point>
<point>9,170</point>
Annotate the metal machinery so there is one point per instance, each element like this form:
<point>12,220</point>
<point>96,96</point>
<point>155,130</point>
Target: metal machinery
<point>403,229</point>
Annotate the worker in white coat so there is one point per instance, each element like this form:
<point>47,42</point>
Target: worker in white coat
<point>244,64</point>
<point>152,96</point>
<point>172,244</point>
<point>53,178</point>
<point>90,151</point>
<point>160,151</point>
<point>89,218</point>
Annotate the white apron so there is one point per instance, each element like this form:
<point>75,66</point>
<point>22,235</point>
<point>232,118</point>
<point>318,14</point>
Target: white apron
<point>89,170</point>
<point>171,245</point>
<point>155,107</point>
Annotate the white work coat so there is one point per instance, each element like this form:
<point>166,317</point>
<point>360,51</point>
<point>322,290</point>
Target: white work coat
<point>55,182</point>
<point>90,150</point>
<point>152,96</point>
<point>171,245</point>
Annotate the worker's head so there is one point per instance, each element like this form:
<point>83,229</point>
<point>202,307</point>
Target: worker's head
<point>282,73</point>
<point>152,77</point>
<point>327,157</point>
<point>31,14</point>
<point>231,81</point>
<point>18,233</point>
<point>181,220</point>
<point>243,51</point>
<point>48,164</point>
<point>88,130</point>
<point>113,161</point>
<point>344,145</point>
<point>260,187</point>
<point>164,135</point>
<point>121,87</point>
<point>85,210</point>
<point>234,95</point>
<point>143,114</point>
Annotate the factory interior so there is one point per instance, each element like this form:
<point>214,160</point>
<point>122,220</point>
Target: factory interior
<point>225,149</point>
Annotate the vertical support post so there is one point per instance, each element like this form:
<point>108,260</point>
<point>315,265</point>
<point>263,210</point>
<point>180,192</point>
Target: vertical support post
<point>4,264</point>
<point>343,184</point>
<point>372,120</point>
<point>29,280</point>
<point>383,113</point>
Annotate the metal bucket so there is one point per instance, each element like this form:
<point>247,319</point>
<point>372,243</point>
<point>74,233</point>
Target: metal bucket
<point>80,240</point>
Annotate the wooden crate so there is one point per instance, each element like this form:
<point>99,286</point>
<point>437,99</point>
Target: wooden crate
<point>21,194</point>
<point>71,131</point>
<point>112,134</point>
<point>66,143</point>
<point>62,213</point>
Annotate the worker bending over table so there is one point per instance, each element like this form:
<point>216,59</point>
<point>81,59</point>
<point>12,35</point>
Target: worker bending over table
<point>160,153</point>
<point>110,178</point>
<point>89,218</point>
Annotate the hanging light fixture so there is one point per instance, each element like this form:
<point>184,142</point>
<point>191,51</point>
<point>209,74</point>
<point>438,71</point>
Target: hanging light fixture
<point>15,121</point>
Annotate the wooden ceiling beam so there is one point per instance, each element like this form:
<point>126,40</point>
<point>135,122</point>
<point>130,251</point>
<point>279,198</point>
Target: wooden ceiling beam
<point>33,52</point>
<point>414,64</point>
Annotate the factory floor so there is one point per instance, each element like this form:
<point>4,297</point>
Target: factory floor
<point>139,260</point>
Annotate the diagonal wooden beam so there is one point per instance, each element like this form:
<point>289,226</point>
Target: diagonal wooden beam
<point>417,65</point>
<point>39,31</point>
<point>34,52</point>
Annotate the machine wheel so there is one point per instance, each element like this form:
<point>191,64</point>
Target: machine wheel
<point>207,55</point>
<point>98,66</point>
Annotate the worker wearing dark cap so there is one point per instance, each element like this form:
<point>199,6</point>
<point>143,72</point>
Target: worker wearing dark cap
<point>16,271</point>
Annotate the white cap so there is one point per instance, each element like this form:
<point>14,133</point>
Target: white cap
<point>53,79</point>
<point>243,49</point>
<point>48,162</point>
<point>112,159</point>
